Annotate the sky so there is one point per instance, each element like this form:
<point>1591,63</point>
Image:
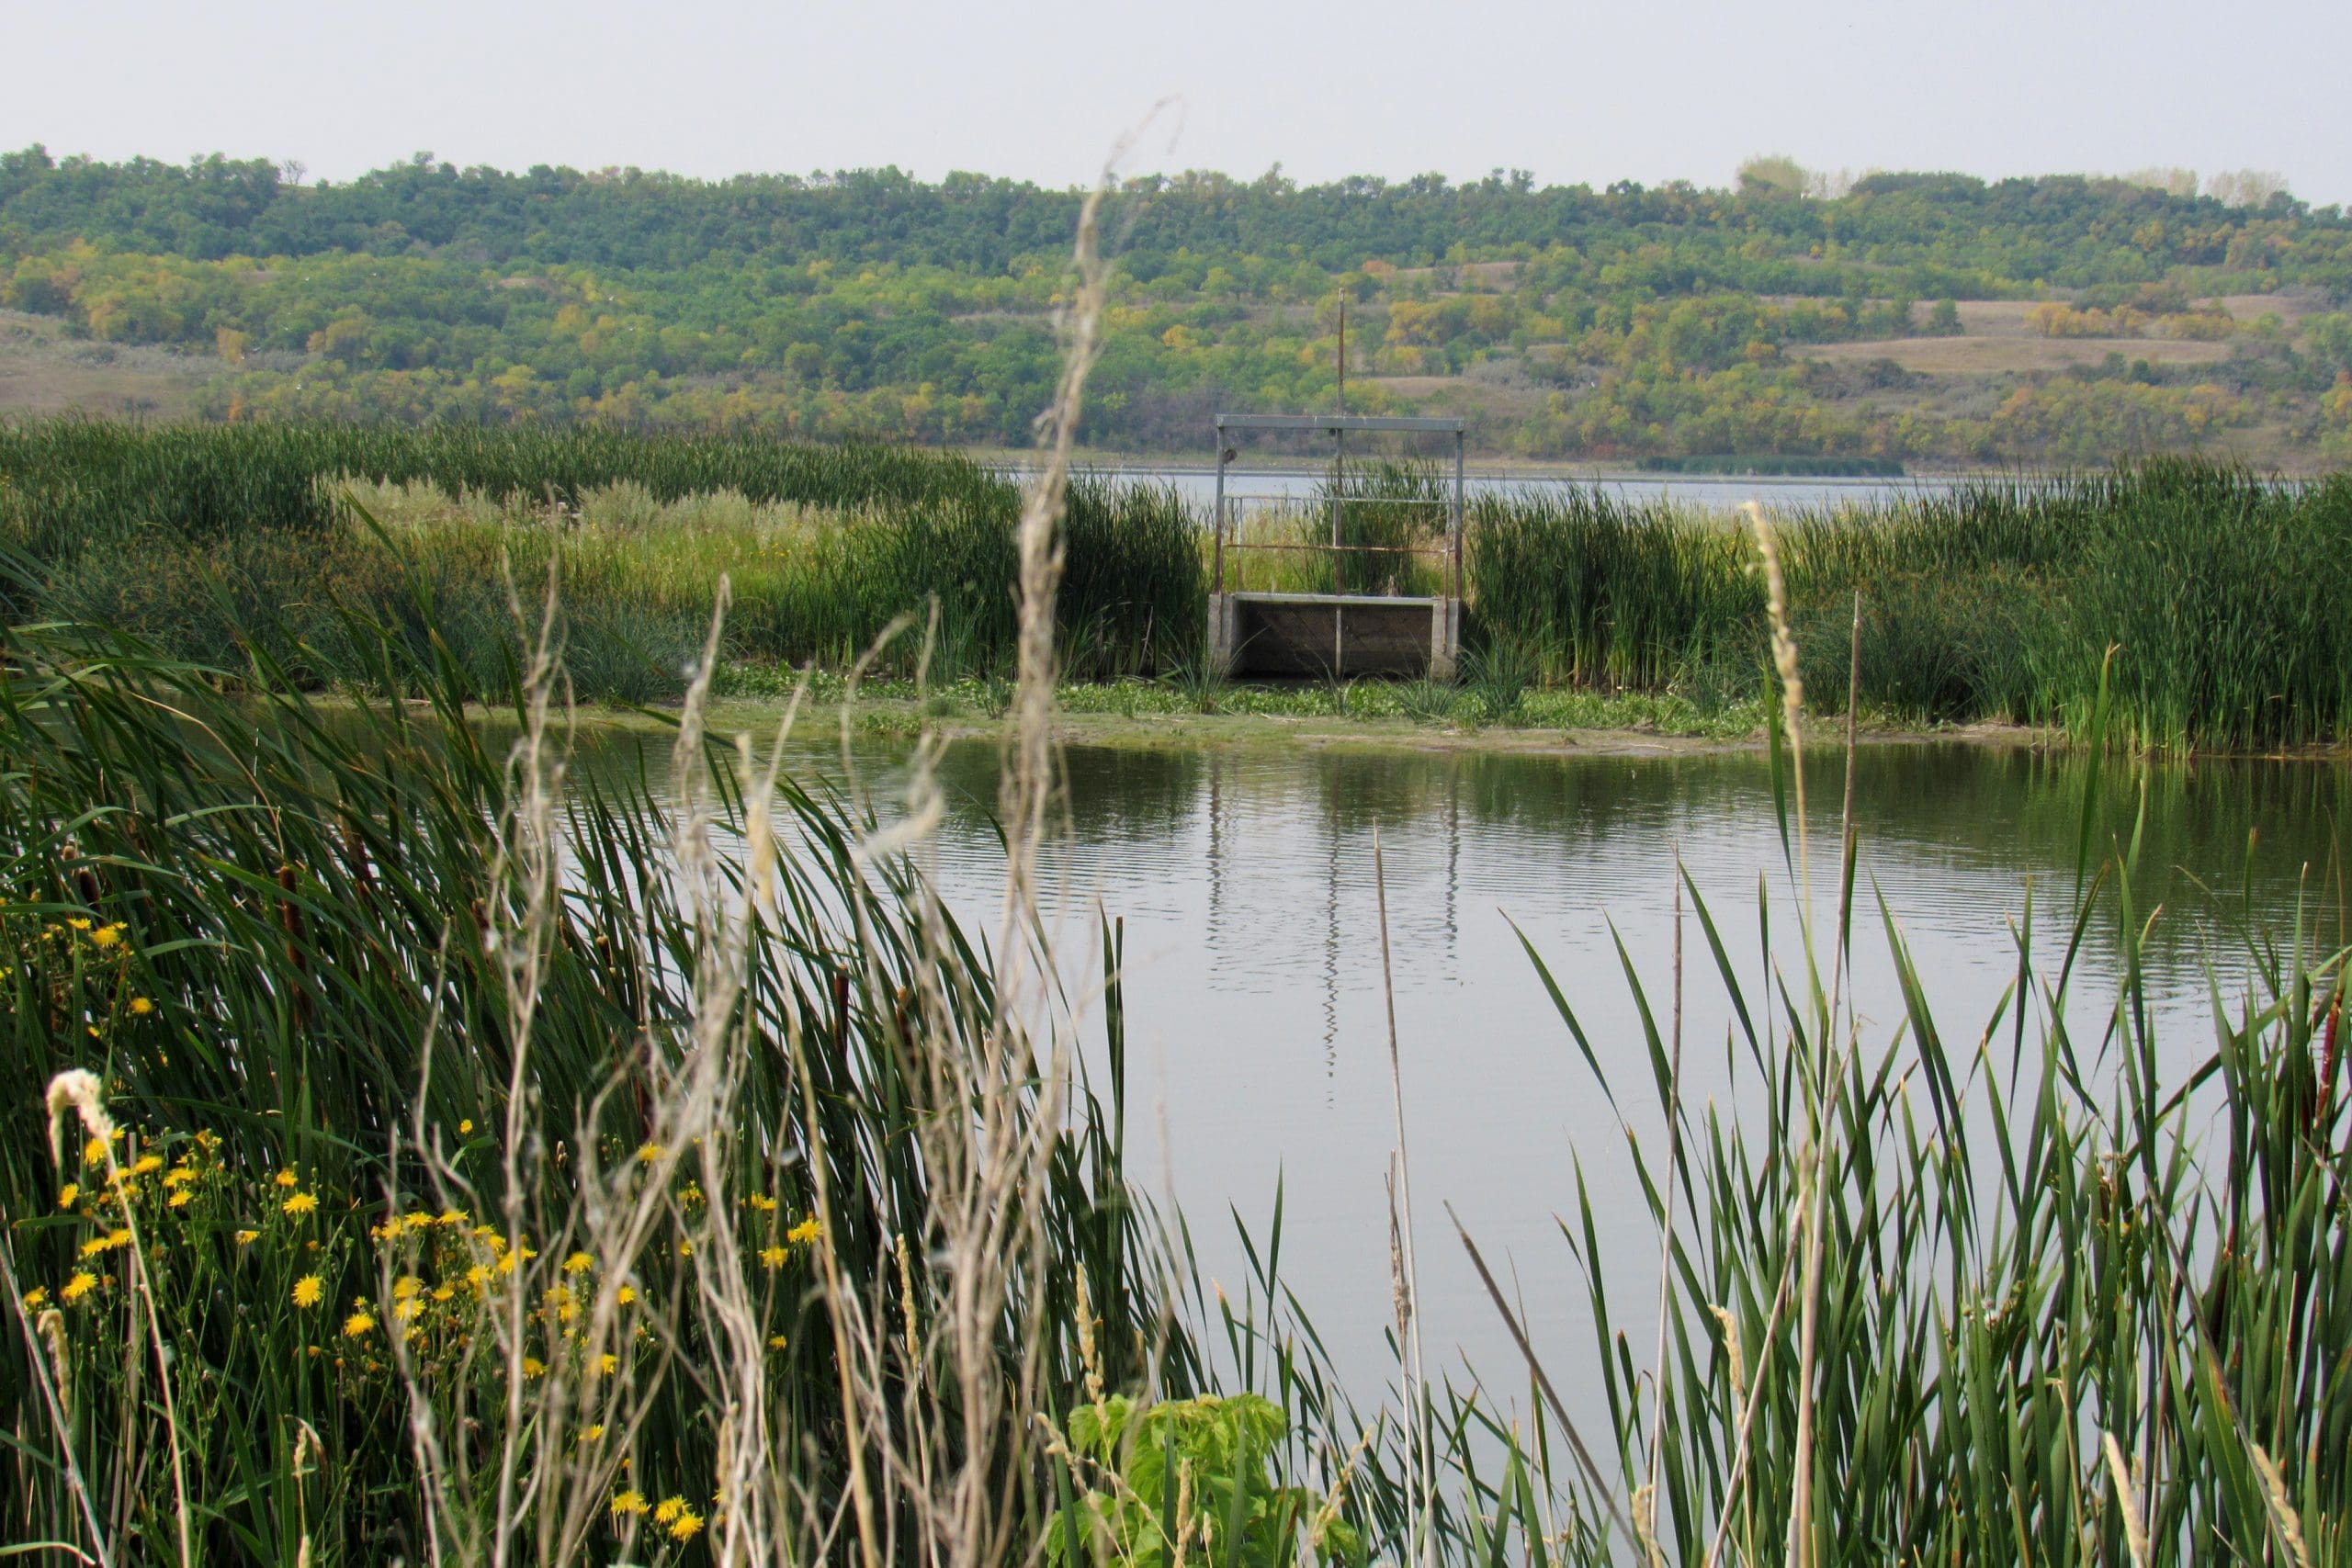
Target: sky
<point>1648,90</point>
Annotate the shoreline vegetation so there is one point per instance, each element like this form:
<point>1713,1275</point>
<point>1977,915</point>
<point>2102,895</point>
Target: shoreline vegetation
<point>392,1167</point>
<point>1993,603</point>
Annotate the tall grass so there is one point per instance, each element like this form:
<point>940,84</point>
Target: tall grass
<point>346,976</point>
<point>291,944</point>
<point>1993,600</point>
<point>1999,1291</point>
<point>1997,600</point>
<point>189,536</point>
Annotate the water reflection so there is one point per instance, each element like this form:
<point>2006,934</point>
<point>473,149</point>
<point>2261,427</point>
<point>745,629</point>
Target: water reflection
<point>1253,981</point>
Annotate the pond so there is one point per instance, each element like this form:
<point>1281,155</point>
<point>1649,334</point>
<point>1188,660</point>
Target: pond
<point>1257,1026</point>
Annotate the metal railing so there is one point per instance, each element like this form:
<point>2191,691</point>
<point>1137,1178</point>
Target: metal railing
<point>1338,426</point>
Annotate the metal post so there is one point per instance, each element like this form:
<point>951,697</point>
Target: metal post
<point>1339,487</point>
<point>1339,459</point>
<point>1457,515</point>
<point>1220,506</point>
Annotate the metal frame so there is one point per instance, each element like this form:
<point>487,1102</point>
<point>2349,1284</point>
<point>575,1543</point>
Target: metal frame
<point>1337,425</point>
<point>1446,610</point>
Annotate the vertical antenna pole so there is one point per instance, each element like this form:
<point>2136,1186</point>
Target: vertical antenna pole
<point>1343,353</point>
<point>1340,455</point>
<point>1458,438</point>
<point>1219,516</point>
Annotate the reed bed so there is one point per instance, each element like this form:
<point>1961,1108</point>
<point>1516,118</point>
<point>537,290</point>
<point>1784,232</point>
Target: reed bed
<point>1995,601</point>
<point>471,1162</point>
<point>1972,1290</point>
<point>191,535</point>
<point>434,1172</point>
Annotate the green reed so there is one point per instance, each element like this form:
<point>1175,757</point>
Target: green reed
<point>1997,600</point>
<point>188,534</point>
<point>250,915</point>
<point>2072,1305</point>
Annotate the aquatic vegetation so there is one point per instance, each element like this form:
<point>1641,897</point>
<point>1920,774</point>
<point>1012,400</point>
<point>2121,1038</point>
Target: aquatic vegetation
<point>436,1166</point>
<point>1994,601</point>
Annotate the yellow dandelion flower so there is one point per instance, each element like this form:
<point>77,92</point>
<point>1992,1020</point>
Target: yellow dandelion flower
<point>631,1502</point>
<point>686,1249</point>
<point>478,1275</point>
<point>626,1294</point>
<point>80,1285</point>
<point>284,1179</point>
<point>406,1286</point>
<point>107,1243</point>
<point>805,1232</point>
<point>148,1165</point>
<point>763,1203</point>
<point>179,1176</point>
<point>533,1367</point>
<point>667,1508</point>
<point>106,936</point>
<point>775,1341</point>
<point>647,1153</point>
<point>465,1126</point>
<point>95,1152</point>
<point>686,1526</point>
<point>443,1293</point>
<point>577,1263</point>
<point>453,1216</point>
<point>78,923</point>
<point>773,1256</point>
<point>594,1434</point>
<point>69,1194</point>
<point>308,1291</point>
<point>608,1363</point>
<point>359,1325</point>
<point>299,1204</point>
<point>180,1197</point>
<point>246,1238</point>
<point>141,1006</point>
<point>35,1298</point>
<point>692,1195</point>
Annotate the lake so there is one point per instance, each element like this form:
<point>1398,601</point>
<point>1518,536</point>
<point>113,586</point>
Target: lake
<point>1258,1035</point>
<point>1710,491</point>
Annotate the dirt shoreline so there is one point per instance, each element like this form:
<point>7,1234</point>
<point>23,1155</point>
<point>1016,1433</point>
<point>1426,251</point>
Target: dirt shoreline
<point>1146,732</point>
<point>895,720</point>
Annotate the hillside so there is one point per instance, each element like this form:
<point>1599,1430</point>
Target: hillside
<point>1936,319</point>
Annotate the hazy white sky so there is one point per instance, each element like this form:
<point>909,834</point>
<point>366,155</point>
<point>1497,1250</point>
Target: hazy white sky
<point>1642,89</point>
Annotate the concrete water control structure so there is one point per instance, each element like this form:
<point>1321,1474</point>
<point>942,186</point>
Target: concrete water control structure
<point>1335,635</point>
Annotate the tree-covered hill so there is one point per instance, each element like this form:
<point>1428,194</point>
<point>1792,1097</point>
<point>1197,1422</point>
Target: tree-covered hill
<point>2093,316</point>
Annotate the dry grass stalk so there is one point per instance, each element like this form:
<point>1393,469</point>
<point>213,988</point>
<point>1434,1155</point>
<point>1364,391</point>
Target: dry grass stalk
<point>2283,1516</point>
<point>1666,1219</point>
<point>81,1092</point>
<point>1404,1272</point>
<point>2127,1501</point>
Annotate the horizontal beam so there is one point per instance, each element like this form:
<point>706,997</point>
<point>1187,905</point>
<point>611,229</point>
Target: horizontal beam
<point>1340,601</point>
<point>1334,422</point>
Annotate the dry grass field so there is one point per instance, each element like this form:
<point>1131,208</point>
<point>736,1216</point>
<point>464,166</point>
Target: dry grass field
<point>2011,354</point>
<point>44,371</point>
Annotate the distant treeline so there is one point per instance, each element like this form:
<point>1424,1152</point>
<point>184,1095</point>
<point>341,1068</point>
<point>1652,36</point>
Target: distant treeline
<point>1769,464</point>
<point>869,305</point>
<point>1956,233</point>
